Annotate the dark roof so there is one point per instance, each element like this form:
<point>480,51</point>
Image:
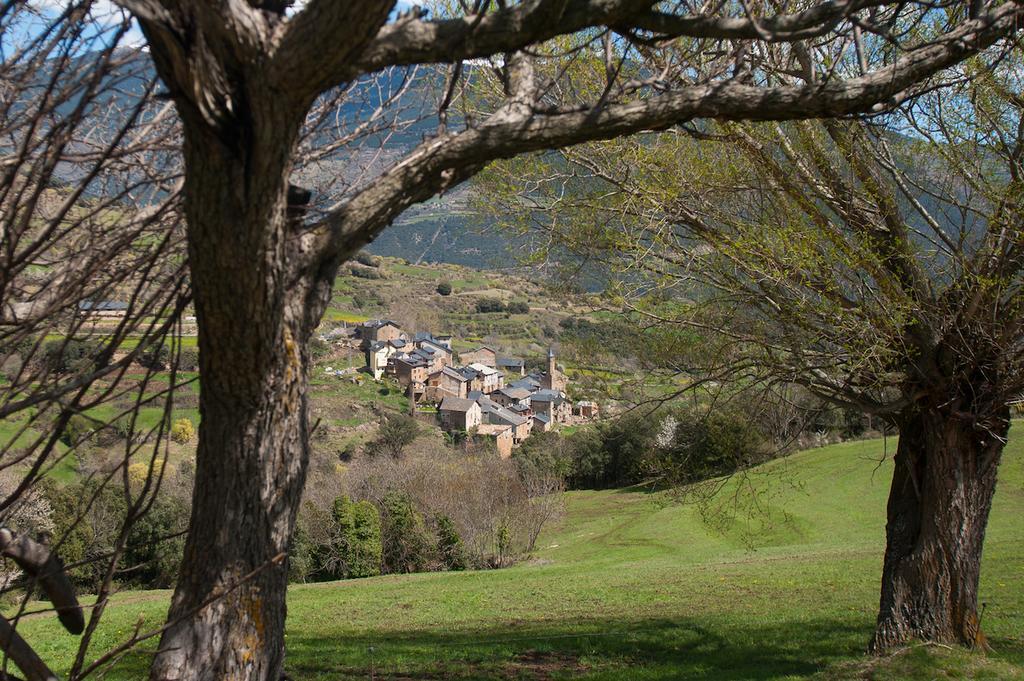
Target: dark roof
<point>519,407</point>
<point>102,305</point>
<point>514,362</point>
<point>434,344</point>
<point>495,410</point>
<point>450,403</point>
<point>542,418</point>
<point>475,395</point>
<point>514,392</point>
<point>525,383</point>
<point>378,323</point>
<point>448,371</point>
<point>547,396</point>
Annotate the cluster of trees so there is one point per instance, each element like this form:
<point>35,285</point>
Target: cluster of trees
<point>485,305</point>
<point>664,447</point>
<point>427,508</point>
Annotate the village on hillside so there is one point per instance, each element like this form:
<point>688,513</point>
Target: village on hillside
<point>478,391</point>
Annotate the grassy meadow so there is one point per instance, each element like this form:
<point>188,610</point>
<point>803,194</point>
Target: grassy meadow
<point>775,577</point>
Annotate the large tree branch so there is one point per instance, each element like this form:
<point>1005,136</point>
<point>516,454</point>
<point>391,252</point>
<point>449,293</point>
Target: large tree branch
<point>416,41</point>
<point>445,161</point>
<point>810,23</point>
<point>324,39</point>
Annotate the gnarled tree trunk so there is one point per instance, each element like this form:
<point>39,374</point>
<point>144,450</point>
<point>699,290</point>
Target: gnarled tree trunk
<point>941,494</point>
<point>256,308</point>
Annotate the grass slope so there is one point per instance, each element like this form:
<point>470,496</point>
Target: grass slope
<point>777,578</point>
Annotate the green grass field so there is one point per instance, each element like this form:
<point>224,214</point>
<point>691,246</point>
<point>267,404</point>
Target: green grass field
<point>776,578</point>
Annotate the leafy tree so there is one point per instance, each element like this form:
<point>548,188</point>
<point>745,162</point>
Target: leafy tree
<point>518,307</point>
<point>156,357</point>
<point>449,544</point>
<point>706,445</point>
<point>155,544</point>
<point>486,305</point>
<point>396,432</point>
<point>407,545</point>
<point>879,272</point>
<point>444,288</point>
<point>357,537</point>
<point>76,537</point>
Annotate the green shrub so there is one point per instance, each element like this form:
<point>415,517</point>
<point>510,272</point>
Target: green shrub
<point>182,431</point>
<point>74,356</point>
<point>78,429</point>
<point>364,258</point>
<point>156,543</point>
<point>188,359</point>
<point>518,307</point>
<point>709,445</point>
<point>365,272</point>
<point>450,549</point>
<point>406,542</point>
<point>396,432</point>
<point>75,536</point>
<point>357,531</point>
<point>155,357</point>
<point>485,305</point>
<point>444,288</point>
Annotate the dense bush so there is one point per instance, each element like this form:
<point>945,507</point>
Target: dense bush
<point>364,258</point>
<point>156,542</point>
<point>614,453</point>
<point>365,299</point>
<point>700,446</point>
<point>444,288</point>
<point>182,431</point>
<point>357,534</point>
<point>665,447</point>
<point>366,272</point>
<point>518,307</point>
<point>485,305</point>
<point>78,428</point>
<point>407,545</point>
<point>396,432</point>
<point>89,519</point>
<point>155,357</point>
<point>188,359</point>
<point>74,356</point>
<point>450,549</point>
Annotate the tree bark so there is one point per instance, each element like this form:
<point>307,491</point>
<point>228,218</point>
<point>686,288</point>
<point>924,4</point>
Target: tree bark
<point>256,305</point>
<point>942,488</point>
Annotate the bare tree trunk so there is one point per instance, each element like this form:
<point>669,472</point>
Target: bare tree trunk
<point>256,309</point>
<point>938,508</point>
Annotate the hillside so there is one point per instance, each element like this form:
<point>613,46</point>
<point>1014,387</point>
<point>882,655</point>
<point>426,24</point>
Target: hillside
<point>633,585</point>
